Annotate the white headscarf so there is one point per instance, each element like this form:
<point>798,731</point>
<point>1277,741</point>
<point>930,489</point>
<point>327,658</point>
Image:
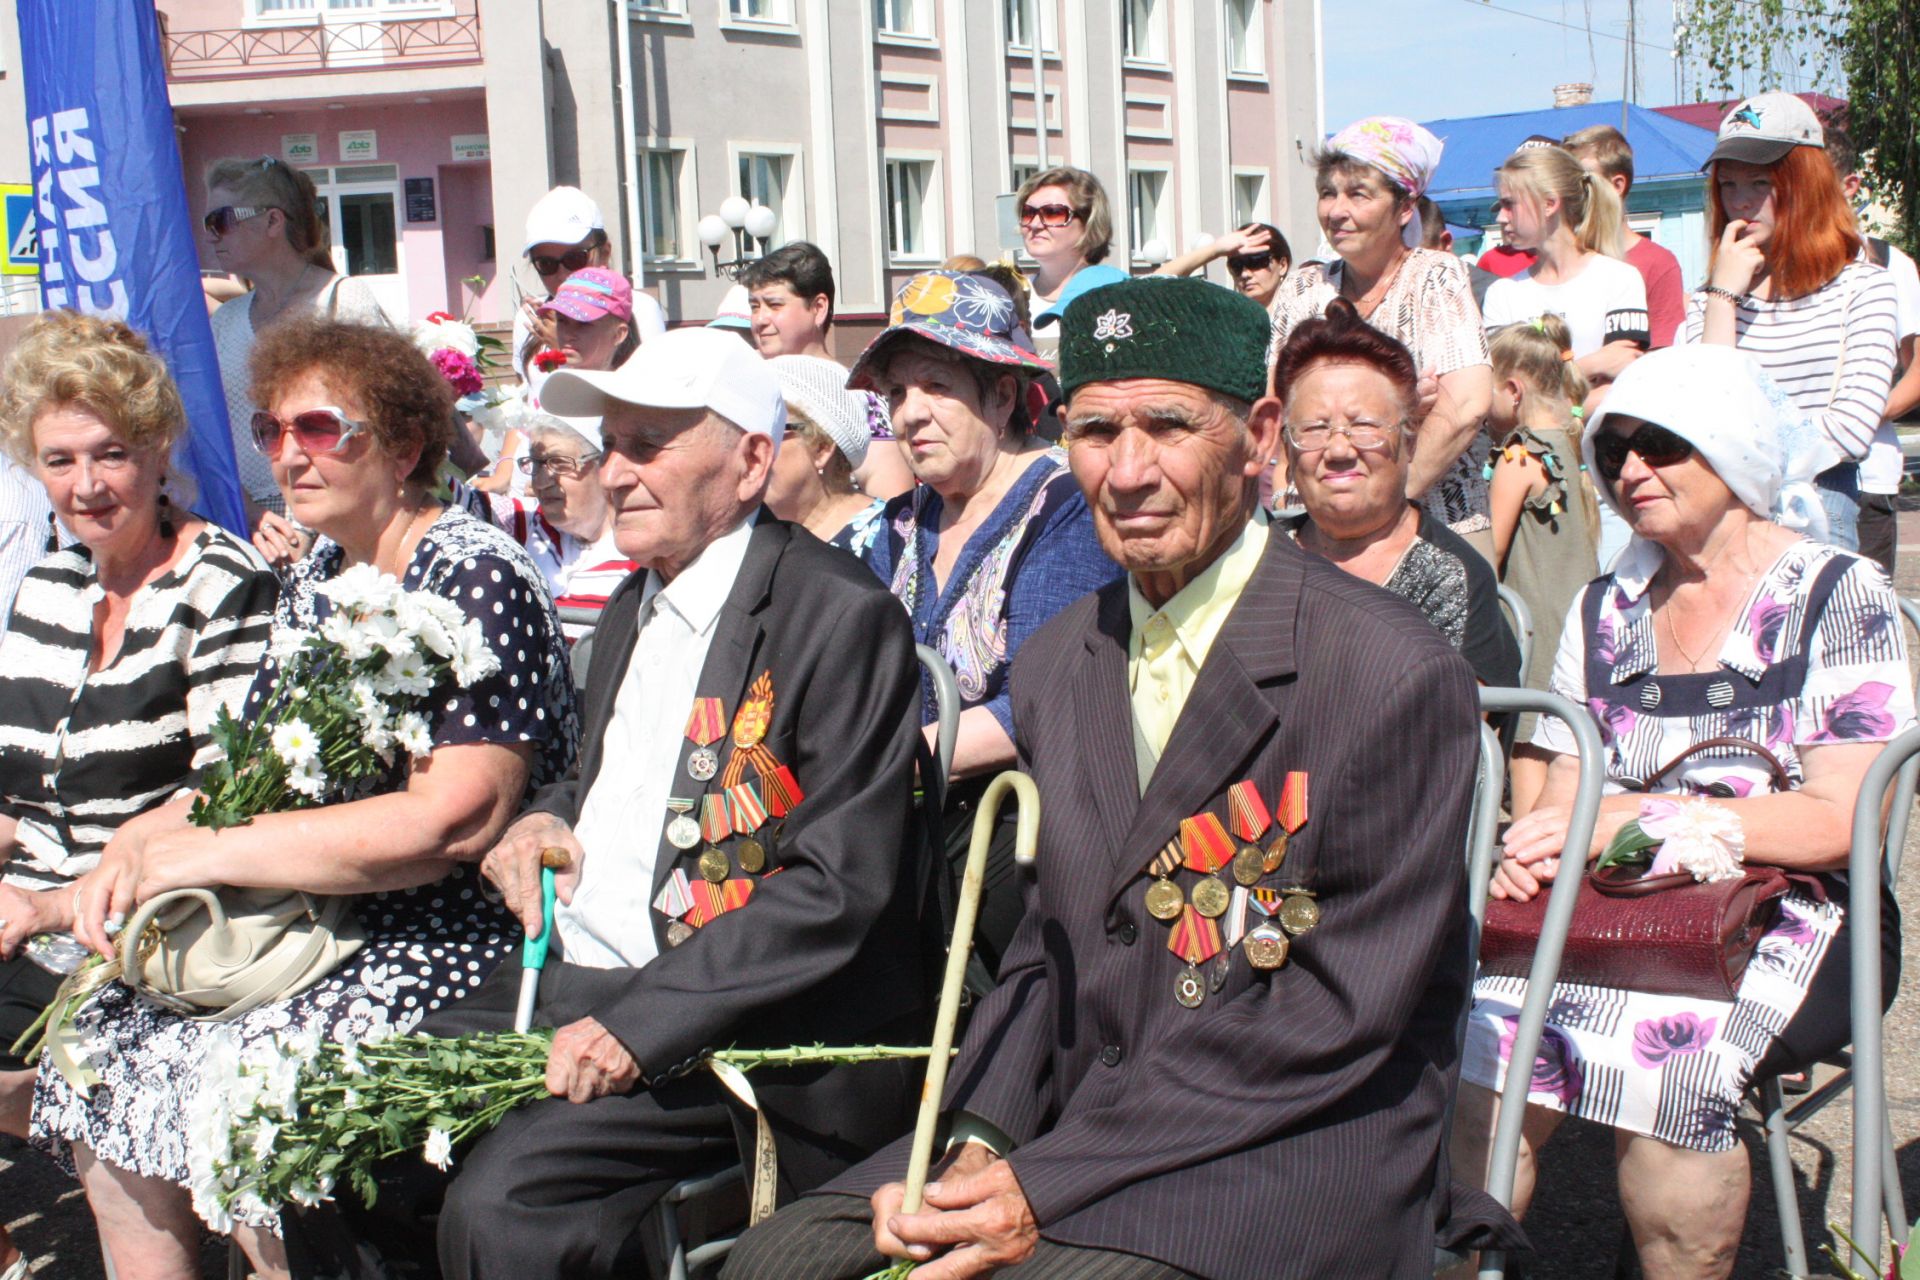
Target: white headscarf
<point>1719,400</point>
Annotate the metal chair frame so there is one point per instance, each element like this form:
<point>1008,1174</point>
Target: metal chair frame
<point>1521,618</point>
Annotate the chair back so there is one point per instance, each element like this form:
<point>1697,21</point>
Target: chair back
<point>1520,618</point>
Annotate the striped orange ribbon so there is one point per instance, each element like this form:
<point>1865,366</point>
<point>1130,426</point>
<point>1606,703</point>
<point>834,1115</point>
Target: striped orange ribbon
<point>714,823</point>
<point>782,790</point>
<point>1167,860</point>
<point>1247,810</point>
<point>744,809</point>
<point>1195,938</point>
<point>1293,802</point>
<point>706,722</point>
<point>1207,844</point>
<point>756,755</point>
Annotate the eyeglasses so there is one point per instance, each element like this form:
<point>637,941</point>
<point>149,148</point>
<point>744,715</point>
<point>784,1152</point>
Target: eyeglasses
<point>219,222</point>
<point>1656,446</point>
<point>1360,433</point>
<point>322,430</point>
<point>1238,262</point>
<point>1047,215</point>
<point>558,465</point>
<point>572,260</point>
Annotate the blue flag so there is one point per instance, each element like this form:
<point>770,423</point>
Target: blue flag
<point>111,208</point>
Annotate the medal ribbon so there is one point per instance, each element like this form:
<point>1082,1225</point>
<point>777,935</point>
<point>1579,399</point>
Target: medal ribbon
<point>756,755</point>
<point>1205,840</point>
<point>744,809</point>
<point>711,901</point>
<point>706,722</point>
<point>1293,802</point>
<point>1247,811</point>
<point>1168,860</point>
<point>676,896</point>
<point>782,789</point>
<point>1194,938</point>
<point>1264,901</point>
<point>714,822</point>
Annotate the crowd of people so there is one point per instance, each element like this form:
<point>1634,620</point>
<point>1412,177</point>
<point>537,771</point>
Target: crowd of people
<point>1219,567</point>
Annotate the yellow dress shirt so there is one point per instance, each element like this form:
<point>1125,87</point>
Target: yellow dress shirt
<point>1169,645</point>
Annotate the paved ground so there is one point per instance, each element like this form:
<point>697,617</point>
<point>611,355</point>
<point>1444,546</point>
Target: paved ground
<point>1577,1217</point>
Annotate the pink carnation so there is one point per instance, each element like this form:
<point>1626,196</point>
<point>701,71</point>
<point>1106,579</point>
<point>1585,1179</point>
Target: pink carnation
<point>459,370</point>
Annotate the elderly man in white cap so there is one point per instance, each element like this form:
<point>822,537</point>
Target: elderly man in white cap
<point>827,440</point>
<point>741,864</point>
<point>567,233</point>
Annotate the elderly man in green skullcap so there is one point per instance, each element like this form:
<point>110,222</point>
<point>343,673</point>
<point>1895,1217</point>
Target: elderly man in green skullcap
<point>1223,1045</point>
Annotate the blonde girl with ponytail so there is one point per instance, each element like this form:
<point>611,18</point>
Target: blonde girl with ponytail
<point>263,223</point>
<point>1544,512</point>
<point>1573,222</point>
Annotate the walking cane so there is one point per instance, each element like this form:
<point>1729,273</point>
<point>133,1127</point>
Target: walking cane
<point>533,954</point>
<point>1026,834</point>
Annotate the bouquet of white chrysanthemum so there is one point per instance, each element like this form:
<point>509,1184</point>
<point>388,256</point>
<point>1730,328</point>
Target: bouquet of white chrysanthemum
<point>294,1116</point>
<point>344,701</point>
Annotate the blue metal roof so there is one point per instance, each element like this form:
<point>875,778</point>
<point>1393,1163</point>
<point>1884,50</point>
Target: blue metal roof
<point>1476,145</point>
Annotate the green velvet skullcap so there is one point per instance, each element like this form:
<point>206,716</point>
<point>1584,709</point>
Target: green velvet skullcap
<point>1176,327</point>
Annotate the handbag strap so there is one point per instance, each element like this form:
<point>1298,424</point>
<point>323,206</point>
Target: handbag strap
<point>1779,771</point>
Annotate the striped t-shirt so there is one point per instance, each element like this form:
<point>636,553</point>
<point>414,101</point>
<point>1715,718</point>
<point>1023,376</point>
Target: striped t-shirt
<point>1832,351</point>
<point>80,752</point>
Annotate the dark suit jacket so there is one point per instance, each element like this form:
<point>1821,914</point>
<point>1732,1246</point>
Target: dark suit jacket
<point>1292,1124</point>
<point>827,950</point>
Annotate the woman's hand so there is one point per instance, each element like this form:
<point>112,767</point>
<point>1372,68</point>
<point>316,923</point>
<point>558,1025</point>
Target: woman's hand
<point>1738,261</point>
<point>134,867</point>
<point>25,912</point>
<point>281,541</point>
<point>1530,852</point>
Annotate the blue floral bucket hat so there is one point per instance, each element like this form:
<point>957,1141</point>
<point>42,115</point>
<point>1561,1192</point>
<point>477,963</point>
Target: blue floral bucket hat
<point>961,310</point>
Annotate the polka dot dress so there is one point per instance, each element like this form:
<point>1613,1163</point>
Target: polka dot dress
<point>425,946</point>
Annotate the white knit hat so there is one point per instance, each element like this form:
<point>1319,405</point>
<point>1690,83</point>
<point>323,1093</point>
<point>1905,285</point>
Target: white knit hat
<point>818,388</point>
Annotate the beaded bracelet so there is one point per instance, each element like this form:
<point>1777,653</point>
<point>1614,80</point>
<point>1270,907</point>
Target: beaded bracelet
<point>1715,291</point>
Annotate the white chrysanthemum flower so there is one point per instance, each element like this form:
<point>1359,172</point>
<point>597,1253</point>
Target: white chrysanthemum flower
<point>413,735</point>
<point>285,642</point>
<point>309,779</point>
<point>474,661</point>
<point>295,742</point>
<point>263,1139</point>
<point>305,1196</point>
<point>360,588</point>
<point>343,632</point>
<point>446,335</point>
<point>407,673</point>
<point>439,1149</point>
<point>1698,836</point>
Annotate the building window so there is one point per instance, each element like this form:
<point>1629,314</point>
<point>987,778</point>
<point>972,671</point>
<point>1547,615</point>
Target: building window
<point>904,18</point>
<point>1246,38</point>
<point>1021,171</point>
<point>1020,18</point>
<point>1142,23</point>
<point>1146,195</point>
<point>1249,198</point>
<point>659,6</point>
<point>284,9</point>
<point>661,173</point>
<point>910,231</point>
<point>767,179</point>
<point>759,10</point>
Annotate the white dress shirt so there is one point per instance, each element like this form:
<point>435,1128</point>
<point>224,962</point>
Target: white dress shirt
<point>609,923</point>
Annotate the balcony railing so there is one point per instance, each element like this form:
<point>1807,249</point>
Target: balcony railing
<point>329,46</point>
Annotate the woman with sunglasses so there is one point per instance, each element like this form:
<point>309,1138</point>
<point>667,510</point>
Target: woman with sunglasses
<point>261,223</point>
<point>566,233</point>
<point>1725,627</point>
<point>1349,393</point>
<point>1067,228</point>
<point>355,422</point>
<point>1788,285</point>
<point>1258,259</point>
<point>122,649</point>
<point>1369,178</point>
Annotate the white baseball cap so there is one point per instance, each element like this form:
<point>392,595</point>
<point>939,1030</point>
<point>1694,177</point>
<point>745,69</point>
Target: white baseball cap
<point>1765,127</point>
<point>734,312</point>
<point>817,387</point>
<point>565,215</point>
<point>695,368</point>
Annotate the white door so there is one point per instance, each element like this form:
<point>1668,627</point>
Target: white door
<point>363,207</point>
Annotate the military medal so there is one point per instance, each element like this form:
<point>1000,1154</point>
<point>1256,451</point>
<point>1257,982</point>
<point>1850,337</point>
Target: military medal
<point>1196,940</point>
<point>1217,971</point>
<point>781,790</point>
<point>1266,946</point>
<point>715,826</point>
<point>676,895</point>
<point>1299,912</point>
<point>1292,813</point>
<point>1188,989</point>
<point>755,714</point>
<point>1164,899</point>
<point>705,725</point>
<point>752,856</point>
<point>703,764</point>
<point>713,865</point>
<point>1207,848</point>
<point>678,932</point>
<point>682,832</point>
<point>745,813</point>
<point>1276,853</point>
<point>1248,814</point>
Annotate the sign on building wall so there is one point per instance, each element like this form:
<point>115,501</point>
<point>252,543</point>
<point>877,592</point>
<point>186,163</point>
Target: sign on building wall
<point>471,146</point>
<point>420,200</point>
<point>19,251</point>
<point>300,148</point>
<point>359,144</point>
<point>110,208</point>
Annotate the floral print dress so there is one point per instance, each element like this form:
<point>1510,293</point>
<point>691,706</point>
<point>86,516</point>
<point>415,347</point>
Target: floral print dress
<point>1816,656</point>
<point>424,946</point>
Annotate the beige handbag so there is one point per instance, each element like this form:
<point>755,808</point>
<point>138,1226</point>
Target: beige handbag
<point>215,956</point>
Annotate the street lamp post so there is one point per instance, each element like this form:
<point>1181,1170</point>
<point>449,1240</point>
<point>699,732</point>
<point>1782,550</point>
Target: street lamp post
<point>744,222</point>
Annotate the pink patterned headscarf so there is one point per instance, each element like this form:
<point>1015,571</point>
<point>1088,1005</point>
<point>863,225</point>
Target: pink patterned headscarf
<point>1399,148</point>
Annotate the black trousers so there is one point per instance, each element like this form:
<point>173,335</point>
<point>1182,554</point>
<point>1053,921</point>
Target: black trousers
<point>562,1189</point>
<point>1879,530</point>
<point>830,1237</point>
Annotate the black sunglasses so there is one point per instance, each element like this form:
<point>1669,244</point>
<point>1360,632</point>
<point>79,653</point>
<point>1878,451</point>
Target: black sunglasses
<point>573,259</point>
<point>1239,262</point>
<point>1657,447</point>
<point>1047,215</point>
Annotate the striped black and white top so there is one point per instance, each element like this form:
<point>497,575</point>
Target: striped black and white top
<point>81,752</point>
<point>1832,351</point>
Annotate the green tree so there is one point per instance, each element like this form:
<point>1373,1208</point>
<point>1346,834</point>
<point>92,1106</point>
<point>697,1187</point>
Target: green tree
<point>1748,45</point>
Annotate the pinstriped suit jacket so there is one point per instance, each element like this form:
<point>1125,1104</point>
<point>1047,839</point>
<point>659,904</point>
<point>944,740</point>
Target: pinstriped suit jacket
<point>1291,1125</point>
